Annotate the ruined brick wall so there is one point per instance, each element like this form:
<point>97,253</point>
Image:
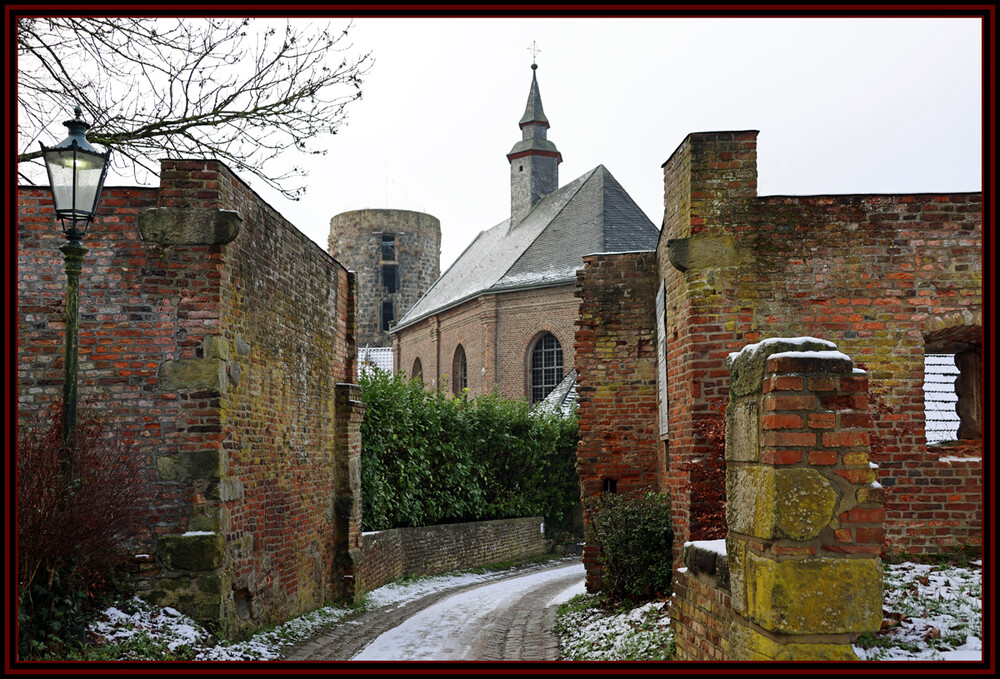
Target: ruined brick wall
<point>431,550</point>
<point>230,322</point>
<point>616,365</point>
<point>701,603</point>
<point>883,276</point>
<point>497,332</point>
<point>356,241</point>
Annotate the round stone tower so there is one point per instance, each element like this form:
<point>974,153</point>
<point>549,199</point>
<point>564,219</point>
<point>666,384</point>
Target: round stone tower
<point>396,255</point>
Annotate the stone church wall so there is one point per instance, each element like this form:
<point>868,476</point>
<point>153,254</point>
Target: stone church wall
<point>208,322</point>
<point>886,277</point>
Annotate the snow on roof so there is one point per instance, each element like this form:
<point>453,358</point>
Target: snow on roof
<point>593,213</point>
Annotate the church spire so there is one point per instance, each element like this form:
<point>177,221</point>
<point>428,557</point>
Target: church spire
<point>534,161</point>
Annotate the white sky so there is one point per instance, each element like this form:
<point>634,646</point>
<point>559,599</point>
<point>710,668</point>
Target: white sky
<point>842,106</point>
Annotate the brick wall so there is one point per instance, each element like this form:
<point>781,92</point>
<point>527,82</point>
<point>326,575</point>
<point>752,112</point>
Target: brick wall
<point>616,363</point>
<point>430,550</point>
<point>497,332</point>
<point>701,604</point>
<point>883,276</point>
<point>207,321</point>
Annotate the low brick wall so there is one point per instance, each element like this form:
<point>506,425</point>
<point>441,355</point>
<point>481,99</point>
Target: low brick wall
<point>700,609</point>
<point>430,550</point>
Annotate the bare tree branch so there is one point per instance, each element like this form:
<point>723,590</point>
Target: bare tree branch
<point>234,90</point>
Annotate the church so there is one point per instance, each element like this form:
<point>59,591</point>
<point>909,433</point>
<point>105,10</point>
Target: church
<point>503,316</point>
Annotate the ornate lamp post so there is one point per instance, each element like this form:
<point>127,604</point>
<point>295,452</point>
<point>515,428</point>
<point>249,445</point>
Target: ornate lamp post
<point>76,177</point>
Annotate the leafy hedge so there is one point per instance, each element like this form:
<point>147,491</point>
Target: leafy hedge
<point>635,541</point>
<point>428,458</point>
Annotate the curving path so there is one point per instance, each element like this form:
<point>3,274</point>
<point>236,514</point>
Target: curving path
<point>507,619</point>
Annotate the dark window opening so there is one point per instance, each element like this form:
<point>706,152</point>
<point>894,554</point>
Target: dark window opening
<point>418,370</point>
<point>459,372</point>
<point>609,486</point>
<point>388,315</point>
<point>546,367</point>
<point>388,247</point>
<point>390,278</point>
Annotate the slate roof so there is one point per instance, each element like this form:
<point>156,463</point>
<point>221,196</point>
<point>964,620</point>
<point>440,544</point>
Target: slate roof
<point>591,214</point>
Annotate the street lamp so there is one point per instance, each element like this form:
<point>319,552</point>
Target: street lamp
<point>76,177</point>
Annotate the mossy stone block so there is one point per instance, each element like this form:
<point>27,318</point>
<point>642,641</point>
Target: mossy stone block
<point>190,551</point>
<point>208,374</point>
<point>189,226</point>
<point>746,368</point>
<point>795,503</point>
<point>746,643</point>
<point>202,464</point>
<point>814,596</point>
<point>742,437</point>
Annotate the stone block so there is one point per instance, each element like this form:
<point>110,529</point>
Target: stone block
<point>746,368</point>
<point>201,551</point>
<point>189,226</point>
<point>814,595</point>
<point>207,374</point>
<point>768,503</point>
<point>203,464</point>
<point>742,426</point>
<point>746,643</point>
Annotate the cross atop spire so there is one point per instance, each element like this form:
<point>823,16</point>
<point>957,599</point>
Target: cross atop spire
<point>534,52</point>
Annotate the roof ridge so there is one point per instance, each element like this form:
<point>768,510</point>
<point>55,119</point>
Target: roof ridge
<point>586,176</point>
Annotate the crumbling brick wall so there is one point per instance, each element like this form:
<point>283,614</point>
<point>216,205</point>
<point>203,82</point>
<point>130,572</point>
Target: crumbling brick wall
<point>616,364</point>
<point>800,569</point>
<point>216,334</point>
<point>886,277</point>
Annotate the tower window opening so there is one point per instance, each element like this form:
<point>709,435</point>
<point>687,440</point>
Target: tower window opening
<point>388,247</point>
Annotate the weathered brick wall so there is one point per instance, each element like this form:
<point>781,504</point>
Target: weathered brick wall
<point>616,363</point>
<point>882,276</point>
<point>804,512</point>
<point>430,550</point>
<point>207,324</point>
<point>356,242</point>
<point>701,603</point>
<point>497,333</point>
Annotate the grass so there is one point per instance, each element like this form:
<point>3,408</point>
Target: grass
<point>590,627</point>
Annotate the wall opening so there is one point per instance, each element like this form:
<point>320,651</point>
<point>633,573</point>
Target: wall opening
<point>546,366</point>
<point>388,315</point>
<point>609,486</point>
<point>388,247</point>
<point>390,278</point>
<point>459,371</point>
<point>418,370</point>
<point>953,391</point>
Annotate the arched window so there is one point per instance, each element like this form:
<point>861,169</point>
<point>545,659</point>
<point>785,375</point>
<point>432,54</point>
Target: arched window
<point>459,373</point>
<point>546,366</point>
<point>418,370</point>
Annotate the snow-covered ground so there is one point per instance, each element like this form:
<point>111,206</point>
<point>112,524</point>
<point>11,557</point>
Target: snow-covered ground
<point>931,613</point>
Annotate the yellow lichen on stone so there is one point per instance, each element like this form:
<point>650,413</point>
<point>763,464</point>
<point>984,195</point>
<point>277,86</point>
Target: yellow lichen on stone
<point>746,643</point>
<point>814,596</point>
<point>774,503</point>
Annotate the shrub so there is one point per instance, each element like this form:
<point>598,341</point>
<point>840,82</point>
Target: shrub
<point>74,510</point>
<point>634,539</point>
<point>427,458</point>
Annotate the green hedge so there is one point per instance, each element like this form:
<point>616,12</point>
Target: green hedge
<point>427,458</point>
<point>635,541</point>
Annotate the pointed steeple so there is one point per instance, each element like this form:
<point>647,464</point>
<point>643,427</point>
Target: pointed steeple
<point>534,161</point>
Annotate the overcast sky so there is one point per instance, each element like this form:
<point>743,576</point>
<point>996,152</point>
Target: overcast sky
<point>842,106</point>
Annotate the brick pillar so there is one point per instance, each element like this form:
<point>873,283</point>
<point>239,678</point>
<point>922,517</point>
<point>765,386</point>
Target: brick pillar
<point>347,493</point>
<point>804,511</point>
